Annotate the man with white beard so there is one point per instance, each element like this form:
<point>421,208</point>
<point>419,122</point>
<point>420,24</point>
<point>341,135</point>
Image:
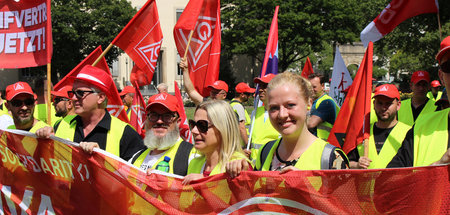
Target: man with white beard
<point>162,137</point>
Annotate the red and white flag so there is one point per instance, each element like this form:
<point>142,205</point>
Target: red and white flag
<point>307,69</point>
<point>138,116</point>
<point>202,17</point>
<point>25,33</point>
<point>185,132</point>
<point>141,39</point>
<point>395,13</point>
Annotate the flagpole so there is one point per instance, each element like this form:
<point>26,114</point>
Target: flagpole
<point>49,101</point>
<point>188,43</point>
<point>103,54</point>
<point>255,106</point>
<point>440,28</point>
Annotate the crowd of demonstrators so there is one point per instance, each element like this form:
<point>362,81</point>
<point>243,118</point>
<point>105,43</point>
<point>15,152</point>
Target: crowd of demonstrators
<point>93,126</point>
<point>242,93</point>
<point>162,137</point>
<point>435,93</point>
<point>62,103</point>
<point>324,109</point>
<point>386,135</point>
<point>127,95</point>
<point>419,104</point>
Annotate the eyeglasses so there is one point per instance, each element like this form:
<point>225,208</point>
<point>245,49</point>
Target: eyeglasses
<point>445,67</point>
<point>166,117</point>
<point>59,99</point>
<point>80,93</point>
<point>19,103</point>
<point>202,125</point>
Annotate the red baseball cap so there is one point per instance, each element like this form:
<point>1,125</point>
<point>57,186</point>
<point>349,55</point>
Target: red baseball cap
<point>62,92</point>
<point>420,76</point>
<point>265,79</point>
<point>18,88</point>
<point>126,90</point>
<point>435,83</point>
<point>388,90</point>
<point>445,47</point>
<point>244,88</point>
<point>219,85</point>
<point>97,77</point>
<point>166,100</point>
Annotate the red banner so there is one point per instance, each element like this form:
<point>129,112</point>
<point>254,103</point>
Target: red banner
<point>307,69</point>
<point>141,39</point>
<point>185,132</point>
<point>202,18</point>
<point>39,176</point>
<point>25,33</point>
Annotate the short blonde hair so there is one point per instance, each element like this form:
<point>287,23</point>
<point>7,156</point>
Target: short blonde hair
<point>222,116</point>
<point>303,85</point>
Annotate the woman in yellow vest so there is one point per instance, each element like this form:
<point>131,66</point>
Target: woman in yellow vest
<point>217,138</point>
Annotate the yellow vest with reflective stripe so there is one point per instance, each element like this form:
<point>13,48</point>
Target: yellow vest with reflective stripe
<point>197,164</point>
<point>311,159</point>
<point>324,128</point>
<point>431,138</point>
<point>263,131</point>
<point>40,113</point>
<point>247,117</point>
<point>390,146</point>
<point>35,127</point>
<point>405,113</point>
<point>66,130</point>
<point>171,152</point>
<point>430,95</point>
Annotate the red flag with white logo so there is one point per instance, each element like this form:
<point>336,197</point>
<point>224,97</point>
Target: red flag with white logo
<point>137,117</point>
<point>25,33</point>
<point>185,132</point>
<point>395,13</point>
<point>202,17</point>
<point>307,69</point>
<point>141,39</point>
<point>352,124</point>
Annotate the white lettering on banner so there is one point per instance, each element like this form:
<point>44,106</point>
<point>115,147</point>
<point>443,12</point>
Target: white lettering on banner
<point>45,205</point>
<point>12,43</point>
<point>390,11</point>
<point>25,18</point>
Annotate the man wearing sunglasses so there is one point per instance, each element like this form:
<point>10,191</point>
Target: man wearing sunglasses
<point>218,90</point>
<point>62,103</point>
<point>21,102</point>
<point>428,142</point>
<point>162,137</point>
<point>93,127</point>
<point>243,92</point>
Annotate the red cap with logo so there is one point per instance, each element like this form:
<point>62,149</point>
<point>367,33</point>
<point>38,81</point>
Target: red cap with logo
<point>18,88</point>
<point>435,83</point>
<point>244,88</point>
<point>97,77</point>
<point>445,47</point>
<point>62,92</point>
<point>265,79</point>
<point>219,85</point>
<point>420,76</point>
<point>388,90</point>
<point>166,100</point>
<point>126,90</point>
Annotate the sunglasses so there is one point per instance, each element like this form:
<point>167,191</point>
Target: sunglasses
<point>19,103</point>
<point>445,67</point>
<point>166,117</point>
<point>202,125</point>
<point>79,93</point>
<point>59,99</point>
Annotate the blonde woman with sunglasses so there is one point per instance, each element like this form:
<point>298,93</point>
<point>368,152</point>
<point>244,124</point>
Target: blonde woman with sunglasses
<point>217,139</point>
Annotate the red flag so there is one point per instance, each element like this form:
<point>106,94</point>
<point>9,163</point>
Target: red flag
<point>140,77</point>
<point>307,69</point>
<point>203,18</point>
<point>141,39</point>
<point>395,13</point>
<point>185,132</point>
<point>25,33</point>
<point>137,117</point>
<point>352,124</point>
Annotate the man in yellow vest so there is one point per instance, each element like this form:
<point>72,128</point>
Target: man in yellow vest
<point>428,141</point>
<point>21,102</point>
<point>386,135</point>
<point>419,104</point>
<point>162,137</point>
<point>93,127</point>
<point>323,111</point>
<point>62,103</point>
<point>243,92</point>
<point>435,92</point>
<point>127,96</point>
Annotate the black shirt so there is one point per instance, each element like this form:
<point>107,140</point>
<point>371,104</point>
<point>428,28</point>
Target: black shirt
<point>379,135</point>
<point>130,143</point>
<point>405,154</point>
<point>416,111</point>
